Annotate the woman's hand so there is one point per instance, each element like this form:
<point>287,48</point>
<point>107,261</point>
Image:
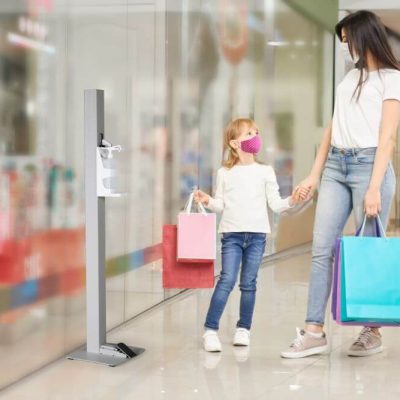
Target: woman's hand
<point>299,194</point>
<point>372,202</point>
<point>306,189</point>
<point>201,197</point>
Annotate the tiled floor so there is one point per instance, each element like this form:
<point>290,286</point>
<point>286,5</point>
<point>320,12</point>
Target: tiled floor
<point>175,367</point>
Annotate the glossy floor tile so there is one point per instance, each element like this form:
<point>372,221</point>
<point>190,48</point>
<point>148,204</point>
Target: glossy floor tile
<point>174,365</point>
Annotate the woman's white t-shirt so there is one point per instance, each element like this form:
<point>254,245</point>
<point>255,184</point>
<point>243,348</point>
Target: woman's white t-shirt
<point>242,195</point>
<point>356,123</point>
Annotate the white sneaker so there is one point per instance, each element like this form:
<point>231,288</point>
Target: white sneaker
<point>306,345</point>
<point>211,341</point>
<point>242,337</point>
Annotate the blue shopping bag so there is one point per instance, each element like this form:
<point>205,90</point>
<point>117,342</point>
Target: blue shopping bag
<point>370,278</point>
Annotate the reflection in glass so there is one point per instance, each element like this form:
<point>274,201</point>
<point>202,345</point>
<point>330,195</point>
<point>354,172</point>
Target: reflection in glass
<point>173,77</point>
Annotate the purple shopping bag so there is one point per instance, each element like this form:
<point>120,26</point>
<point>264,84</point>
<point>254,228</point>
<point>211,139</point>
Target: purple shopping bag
<point>336,266</point>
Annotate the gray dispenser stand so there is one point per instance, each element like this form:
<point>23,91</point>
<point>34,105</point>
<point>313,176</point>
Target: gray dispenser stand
<point>97,149</point>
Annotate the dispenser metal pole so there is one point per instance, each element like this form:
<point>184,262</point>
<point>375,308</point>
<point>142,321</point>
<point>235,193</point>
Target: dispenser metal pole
<point>97,350</point>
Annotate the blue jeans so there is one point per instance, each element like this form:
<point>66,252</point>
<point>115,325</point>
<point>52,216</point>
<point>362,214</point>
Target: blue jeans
<point>237,248</point>
<point>343,186</point>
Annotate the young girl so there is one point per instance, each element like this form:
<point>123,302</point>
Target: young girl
<point>244,187</point>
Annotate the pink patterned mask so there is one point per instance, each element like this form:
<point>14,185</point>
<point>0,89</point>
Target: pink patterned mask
<point>252,145</point>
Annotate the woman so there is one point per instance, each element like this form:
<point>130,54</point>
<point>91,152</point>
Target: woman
<point>354,161</point>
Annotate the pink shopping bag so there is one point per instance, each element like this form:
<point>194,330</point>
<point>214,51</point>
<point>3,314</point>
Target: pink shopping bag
<point>196,235</point>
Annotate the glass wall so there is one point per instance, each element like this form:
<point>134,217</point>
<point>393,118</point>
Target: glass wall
<point>174,73</point>
<point>255,59</point>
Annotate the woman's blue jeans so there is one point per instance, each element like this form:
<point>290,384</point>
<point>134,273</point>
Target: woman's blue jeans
<point>344,184</point>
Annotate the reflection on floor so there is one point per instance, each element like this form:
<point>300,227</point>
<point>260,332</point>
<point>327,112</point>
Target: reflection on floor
<point>175,367</point>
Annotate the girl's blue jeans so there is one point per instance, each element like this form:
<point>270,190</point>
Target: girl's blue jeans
<point>241,248</point>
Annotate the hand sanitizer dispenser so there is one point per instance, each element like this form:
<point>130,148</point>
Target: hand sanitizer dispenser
<point>101,174</point>
<point>107,179</point>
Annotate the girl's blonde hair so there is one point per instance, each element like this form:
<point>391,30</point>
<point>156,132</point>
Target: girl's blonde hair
<point>230,156</point>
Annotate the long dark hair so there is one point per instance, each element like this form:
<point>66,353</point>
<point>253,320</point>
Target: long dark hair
<point>366,33</point>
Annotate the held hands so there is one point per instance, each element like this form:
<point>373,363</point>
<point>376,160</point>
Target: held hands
<point>304,191</point>
<point>299,195</point>
<point>201,197</point>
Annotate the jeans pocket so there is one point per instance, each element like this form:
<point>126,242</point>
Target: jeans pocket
<point>258,238</point>
<point>365,159</point>
<point>229,237</point>
<point>332,157</point>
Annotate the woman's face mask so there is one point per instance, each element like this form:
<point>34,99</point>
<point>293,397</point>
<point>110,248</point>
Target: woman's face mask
<point>347,55</point>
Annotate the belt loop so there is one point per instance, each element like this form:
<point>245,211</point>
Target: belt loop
<point>356,153</point>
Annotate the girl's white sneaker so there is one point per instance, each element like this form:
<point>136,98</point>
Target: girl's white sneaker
<point>211,341</point>
<point>242,337</point>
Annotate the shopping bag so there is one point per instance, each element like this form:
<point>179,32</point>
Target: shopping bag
<point>196,234</point>
<point>368,279</point>
<point>336,301</point>
<point>337,297</point>
<point>183,274</point>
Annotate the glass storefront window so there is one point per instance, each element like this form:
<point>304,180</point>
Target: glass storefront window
<point>174,73</point>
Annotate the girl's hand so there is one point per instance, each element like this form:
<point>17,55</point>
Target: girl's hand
<point>299,194</point>
<point>308,185</point>
<point>372,202</point>
<point>201,197</point>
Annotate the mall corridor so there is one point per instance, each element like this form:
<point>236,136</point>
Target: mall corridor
<point>118,118</point>
<point>175,367</point>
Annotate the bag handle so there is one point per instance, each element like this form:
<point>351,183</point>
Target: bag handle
<point>189,204</point>
<point>380,231</point>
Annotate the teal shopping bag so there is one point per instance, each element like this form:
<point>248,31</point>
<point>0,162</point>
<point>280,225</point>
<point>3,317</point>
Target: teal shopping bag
<point>370,279</point>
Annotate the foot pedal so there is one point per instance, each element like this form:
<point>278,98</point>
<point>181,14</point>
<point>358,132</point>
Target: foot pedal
<point>123,348</point>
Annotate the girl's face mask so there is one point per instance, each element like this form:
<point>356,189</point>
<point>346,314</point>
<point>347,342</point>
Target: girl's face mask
<point>252,145</point>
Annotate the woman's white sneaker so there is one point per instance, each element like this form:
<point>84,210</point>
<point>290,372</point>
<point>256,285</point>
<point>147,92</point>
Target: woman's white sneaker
<point>211,341</point>
<point>305,345</point>
<point>242,337</point>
